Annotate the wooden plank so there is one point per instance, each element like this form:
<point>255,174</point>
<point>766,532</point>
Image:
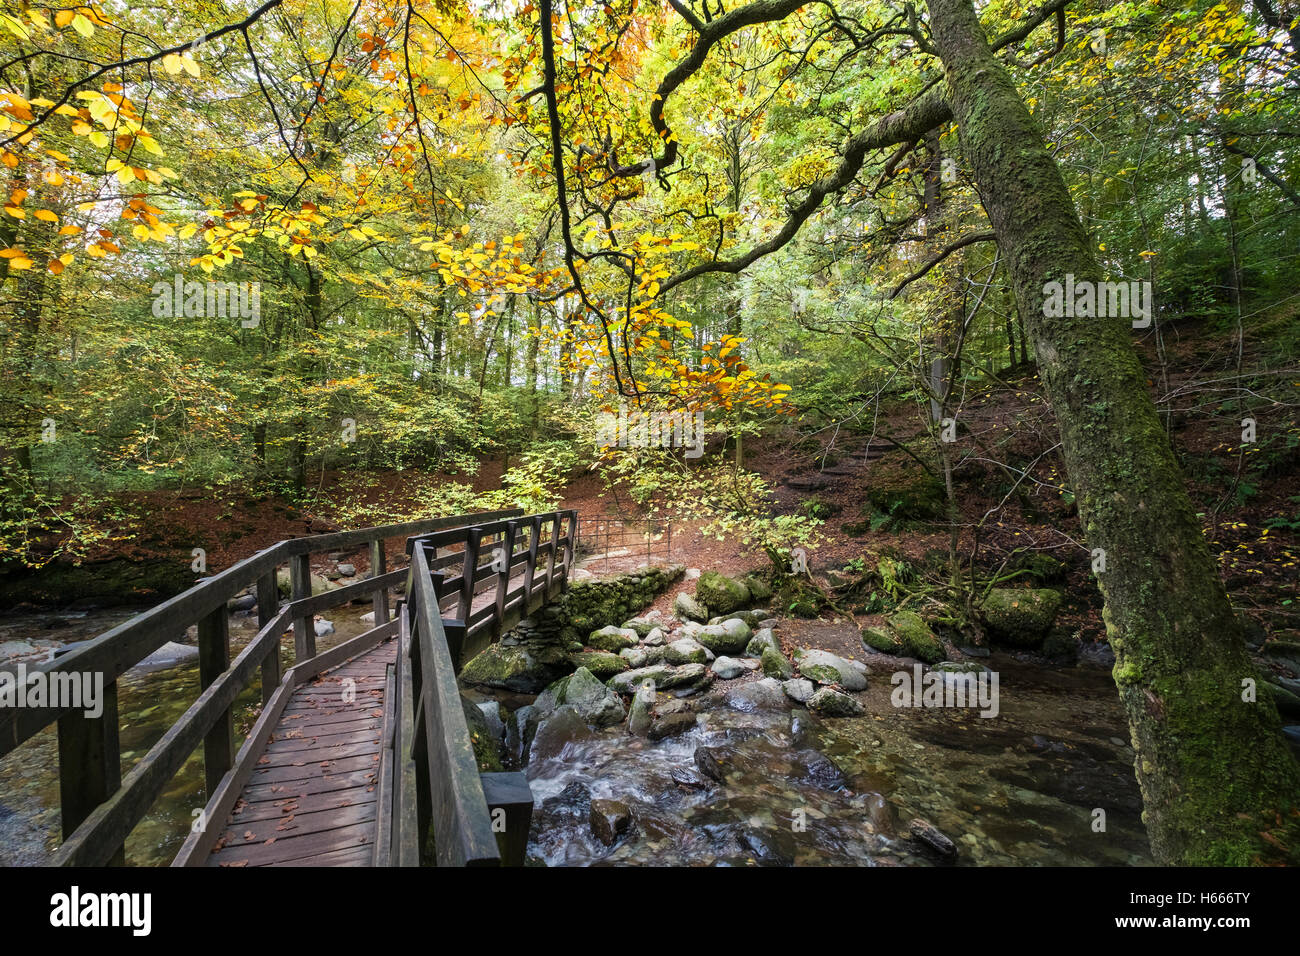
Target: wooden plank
<point>214,660</point>
<point>245,810</point>
<point>314,604</point>
<point>384,809</point>
<point>198,844</point>
<point>325,783</point>
<point>356,836</point>
<point>341,652</point>
<point>408,840</point>
<point>353,857</point>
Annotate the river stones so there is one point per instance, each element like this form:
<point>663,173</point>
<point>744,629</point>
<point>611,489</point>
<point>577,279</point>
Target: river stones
<point>673,725</point>
<point>640,714</point>
<point>799,690</point>
<point>729,668</point>
<point>826,668</point>
<point>721,594</point>
<point>609,819</point>
<point>775,665</point>
<point>597,704</point>
<point>687,650</point>
<point>601,663</point>
<point>688,609</point>
<point>763,638</point>
<point>613,639</point>
<point>665,676</point>
<point>765,694</point>
<point>1020,616</point>
<point>831,703</point>
<point>730,637</point>
<point>906,634</point>
<point>928,836</point>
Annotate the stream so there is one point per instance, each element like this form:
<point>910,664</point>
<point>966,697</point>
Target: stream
<point>1018,789</point>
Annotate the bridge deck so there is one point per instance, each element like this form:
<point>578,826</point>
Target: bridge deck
<point>312,798</point>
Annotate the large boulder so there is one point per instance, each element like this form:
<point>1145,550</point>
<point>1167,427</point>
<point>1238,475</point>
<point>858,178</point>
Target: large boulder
<point>759,590</point>
<point>826,668</point>
<point>516,667</point>
<point>689,609</point>
<point>1021,616</point>
<point>721,594</point>
<point>765,694</point>
<point>595,703</point>
<point>730,637</point>
<point>641,713</point>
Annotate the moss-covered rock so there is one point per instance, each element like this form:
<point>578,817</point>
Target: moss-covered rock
<point>774,664</point>
<point>688,609</point>
<point>487,749</point>
<point>601,663</point>
<point>916,638</point>
<point>516,667</point>
<point>613,639</point>
<point>1042,568</point>
<point>721,594</point>
<point>759,590</point>
<point>761,641</point>
<point>729,637</point>
<point>882,639</point>
<point>1021,616</point>
<point>831,703</point>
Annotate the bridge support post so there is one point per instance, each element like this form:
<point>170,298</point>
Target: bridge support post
<point>214,660</point>
<point>90,764</point>
<point>268,603</point>
<point>503,576</point>
<point>510,805</point>
<point>473,545</point>
<point>378,566</point>
<point>304,628</point>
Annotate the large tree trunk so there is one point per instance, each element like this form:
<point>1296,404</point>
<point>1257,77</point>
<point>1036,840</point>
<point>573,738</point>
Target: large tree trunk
<point>1214,770</point>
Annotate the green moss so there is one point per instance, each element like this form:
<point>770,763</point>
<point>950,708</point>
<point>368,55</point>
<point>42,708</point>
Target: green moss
<point>916,638</point>
<point>721,594</point>
<point>882,639</point>
<point>1021,616</point>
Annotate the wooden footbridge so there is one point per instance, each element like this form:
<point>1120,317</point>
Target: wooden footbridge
<point>361,754</point>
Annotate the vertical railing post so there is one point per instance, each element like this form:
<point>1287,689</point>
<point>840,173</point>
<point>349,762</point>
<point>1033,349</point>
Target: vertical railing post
<point>552,553</point>
<point>268,605</point>
<point>214,660</point>
<point>304,628</point>
<point>503,576</point>
<point>378,566</point>
<point>534,530</point>
<point>569,545</point>
<point>90,763</point>
<point>473,542</point>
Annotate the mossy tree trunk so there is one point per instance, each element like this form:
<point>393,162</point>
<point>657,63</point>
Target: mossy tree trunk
<point>1218,782</point>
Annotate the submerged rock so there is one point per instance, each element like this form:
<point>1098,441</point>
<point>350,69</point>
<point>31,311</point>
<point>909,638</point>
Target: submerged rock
<point>609,820</point>
<point>930,838</point>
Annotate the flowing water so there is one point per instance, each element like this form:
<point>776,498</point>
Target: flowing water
<point>150,700</point>
<point>1020,788</point>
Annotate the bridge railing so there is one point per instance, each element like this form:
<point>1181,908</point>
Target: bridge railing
<point>99,806</point>
<point>435,784</point>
